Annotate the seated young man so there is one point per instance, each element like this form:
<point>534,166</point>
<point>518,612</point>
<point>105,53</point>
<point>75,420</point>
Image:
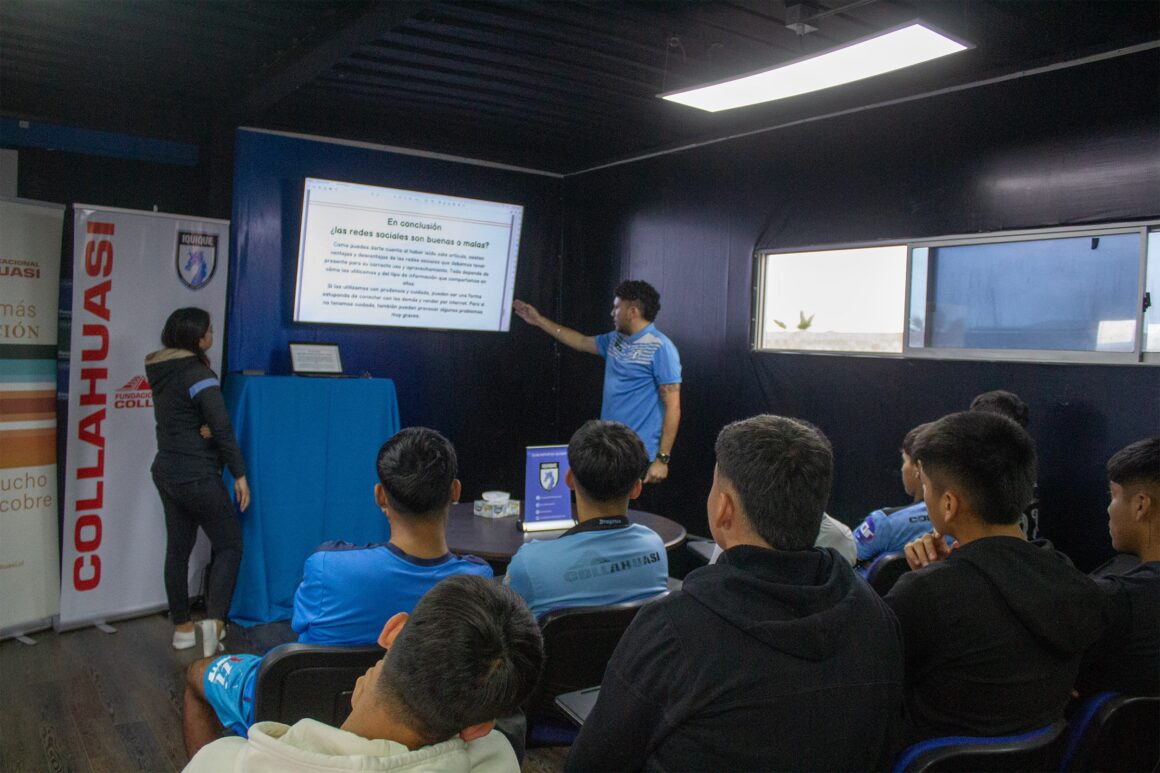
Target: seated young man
<point>604,559</point>
<point>777,657</point>
<point>469,653</point>
<point>889,529</point>
<point>995,628</point>
<point>347,592</point>
<point>1127,658</point>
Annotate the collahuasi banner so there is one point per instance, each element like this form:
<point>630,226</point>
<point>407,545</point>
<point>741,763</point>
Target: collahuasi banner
<point>30,244</point>
<point>130,271</point>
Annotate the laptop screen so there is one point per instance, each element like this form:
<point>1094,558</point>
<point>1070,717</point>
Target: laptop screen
<point>315,359</point>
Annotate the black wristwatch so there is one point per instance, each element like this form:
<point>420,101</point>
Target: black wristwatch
<point>663,458</point>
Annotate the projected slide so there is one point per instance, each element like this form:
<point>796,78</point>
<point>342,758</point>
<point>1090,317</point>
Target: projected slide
<point>381,256</point>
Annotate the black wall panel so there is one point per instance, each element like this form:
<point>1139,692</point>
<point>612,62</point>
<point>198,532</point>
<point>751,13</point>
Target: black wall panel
<point>1074,146</point>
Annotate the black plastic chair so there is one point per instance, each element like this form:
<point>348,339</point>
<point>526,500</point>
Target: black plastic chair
<point>1111,731</point>
<point>885,571</point>
<point>300,681</point>
<point>578,643</point>
<point>311,681</point>
<point>701,548</point>
<point>1026,751</point>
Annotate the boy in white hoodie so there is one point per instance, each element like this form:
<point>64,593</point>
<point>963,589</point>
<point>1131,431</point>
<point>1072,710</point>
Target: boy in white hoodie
<point>470,652</point>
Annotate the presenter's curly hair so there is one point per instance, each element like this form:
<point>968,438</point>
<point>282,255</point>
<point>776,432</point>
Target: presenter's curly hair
<point>1136,463</point>
<point>470,652</point>
<point>987,456</point>
<point>781,469</point>
<point>1004,403</point>
<point>643,295</point>
<point>184,330</point>
<point>416,468</point>
<point>607,459</point>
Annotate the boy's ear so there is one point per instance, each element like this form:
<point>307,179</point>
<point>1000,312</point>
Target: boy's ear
<point>569,479</point>
<point>392,629</point>
<point>1145,506</point>
<point>725,514</point>
<point>476,731</point>
<point>380,496</point>
<point>951,504</point>
<point>456,491</point>
<point>636,489</point>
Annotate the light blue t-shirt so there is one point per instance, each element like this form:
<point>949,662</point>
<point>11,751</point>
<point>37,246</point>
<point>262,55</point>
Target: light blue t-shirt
<point>348,591</point>
<point>888,530</point>
<point>601,561</point>
<point>634,367</point>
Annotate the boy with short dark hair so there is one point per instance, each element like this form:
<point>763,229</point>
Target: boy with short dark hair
<point>777,657</point>
<point>1127,658</point>
<point>993,630</point>
<point>348,590</point>
<point>469,653</point>
<point>605,559</point>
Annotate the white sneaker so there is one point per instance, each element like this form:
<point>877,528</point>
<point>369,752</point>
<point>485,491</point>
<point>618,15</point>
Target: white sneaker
<point>211,637</point>
<point>183,640</point>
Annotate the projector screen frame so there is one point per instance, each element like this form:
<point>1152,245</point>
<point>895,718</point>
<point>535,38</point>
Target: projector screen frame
<point>498,309</point>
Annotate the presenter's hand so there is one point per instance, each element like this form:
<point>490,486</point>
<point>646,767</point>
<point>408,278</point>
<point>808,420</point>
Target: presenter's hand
<point>527,312</point>
<point>657,472</point>
<point>204,431</point>
<point>242,492</point>
<point>926,550</point>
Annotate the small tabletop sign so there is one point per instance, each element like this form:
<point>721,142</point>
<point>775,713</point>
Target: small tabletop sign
<point>547,499</point>
<point>315,359</point>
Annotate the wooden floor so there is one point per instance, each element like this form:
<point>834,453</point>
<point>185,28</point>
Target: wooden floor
<point>91,701</point>
<point>87,700</point>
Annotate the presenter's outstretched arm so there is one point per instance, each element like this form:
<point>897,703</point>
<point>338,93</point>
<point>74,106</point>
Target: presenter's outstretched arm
<point>565,335</point>
<point>671,399</point>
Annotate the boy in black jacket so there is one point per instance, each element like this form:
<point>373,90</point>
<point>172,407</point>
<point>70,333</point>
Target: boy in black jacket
<point>994,629</point>
<point>777,657</point>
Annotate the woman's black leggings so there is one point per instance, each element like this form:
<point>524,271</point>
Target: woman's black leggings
<point>206,503</point>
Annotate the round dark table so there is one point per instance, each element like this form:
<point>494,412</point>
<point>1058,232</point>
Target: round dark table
<point>498,539</point>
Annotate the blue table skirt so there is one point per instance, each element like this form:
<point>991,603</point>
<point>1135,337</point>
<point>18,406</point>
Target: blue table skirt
<point>310,446</point>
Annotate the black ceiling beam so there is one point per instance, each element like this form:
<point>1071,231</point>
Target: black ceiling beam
<point>349,37</point>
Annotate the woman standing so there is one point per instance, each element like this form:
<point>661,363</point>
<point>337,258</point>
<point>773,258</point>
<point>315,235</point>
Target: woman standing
<point>194,439</point>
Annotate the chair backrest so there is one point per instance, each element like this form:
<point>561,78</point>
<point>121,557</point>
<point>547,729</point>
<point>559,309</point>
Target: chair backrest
<point>701,548</point>
<point>300,681</point>
<point>885,571</point>
<point>1111,731</point>
<point>578,644</point>
<point>1026,751</point>
<point>311,681</point>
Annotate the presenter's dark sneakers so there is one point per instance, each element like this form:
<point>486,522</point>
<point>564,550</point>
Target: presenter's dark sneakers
<point>211,633</point>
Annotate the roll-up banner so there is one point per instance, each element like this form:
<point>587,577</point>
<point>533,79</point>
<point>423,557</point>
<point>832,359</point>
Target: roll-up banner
<point>130,271</point>
<point>30,246</point>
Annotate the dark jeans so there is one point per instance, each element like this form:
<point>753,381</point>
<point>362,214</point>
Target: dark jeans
<point>189,504</point>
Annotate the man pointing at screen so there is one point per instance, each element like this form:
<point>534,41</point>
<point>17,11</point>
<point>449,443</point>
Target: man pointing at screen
<point>642,369</point>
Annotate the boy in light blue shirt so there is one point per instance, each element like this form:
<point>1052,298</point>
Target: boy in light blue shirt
<point>605,559</point>
<point>348,591</point>
<point>888,529</point>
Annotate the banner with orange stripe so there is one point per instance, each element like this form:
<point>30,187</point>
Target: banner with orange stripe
<point>30,249</point>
